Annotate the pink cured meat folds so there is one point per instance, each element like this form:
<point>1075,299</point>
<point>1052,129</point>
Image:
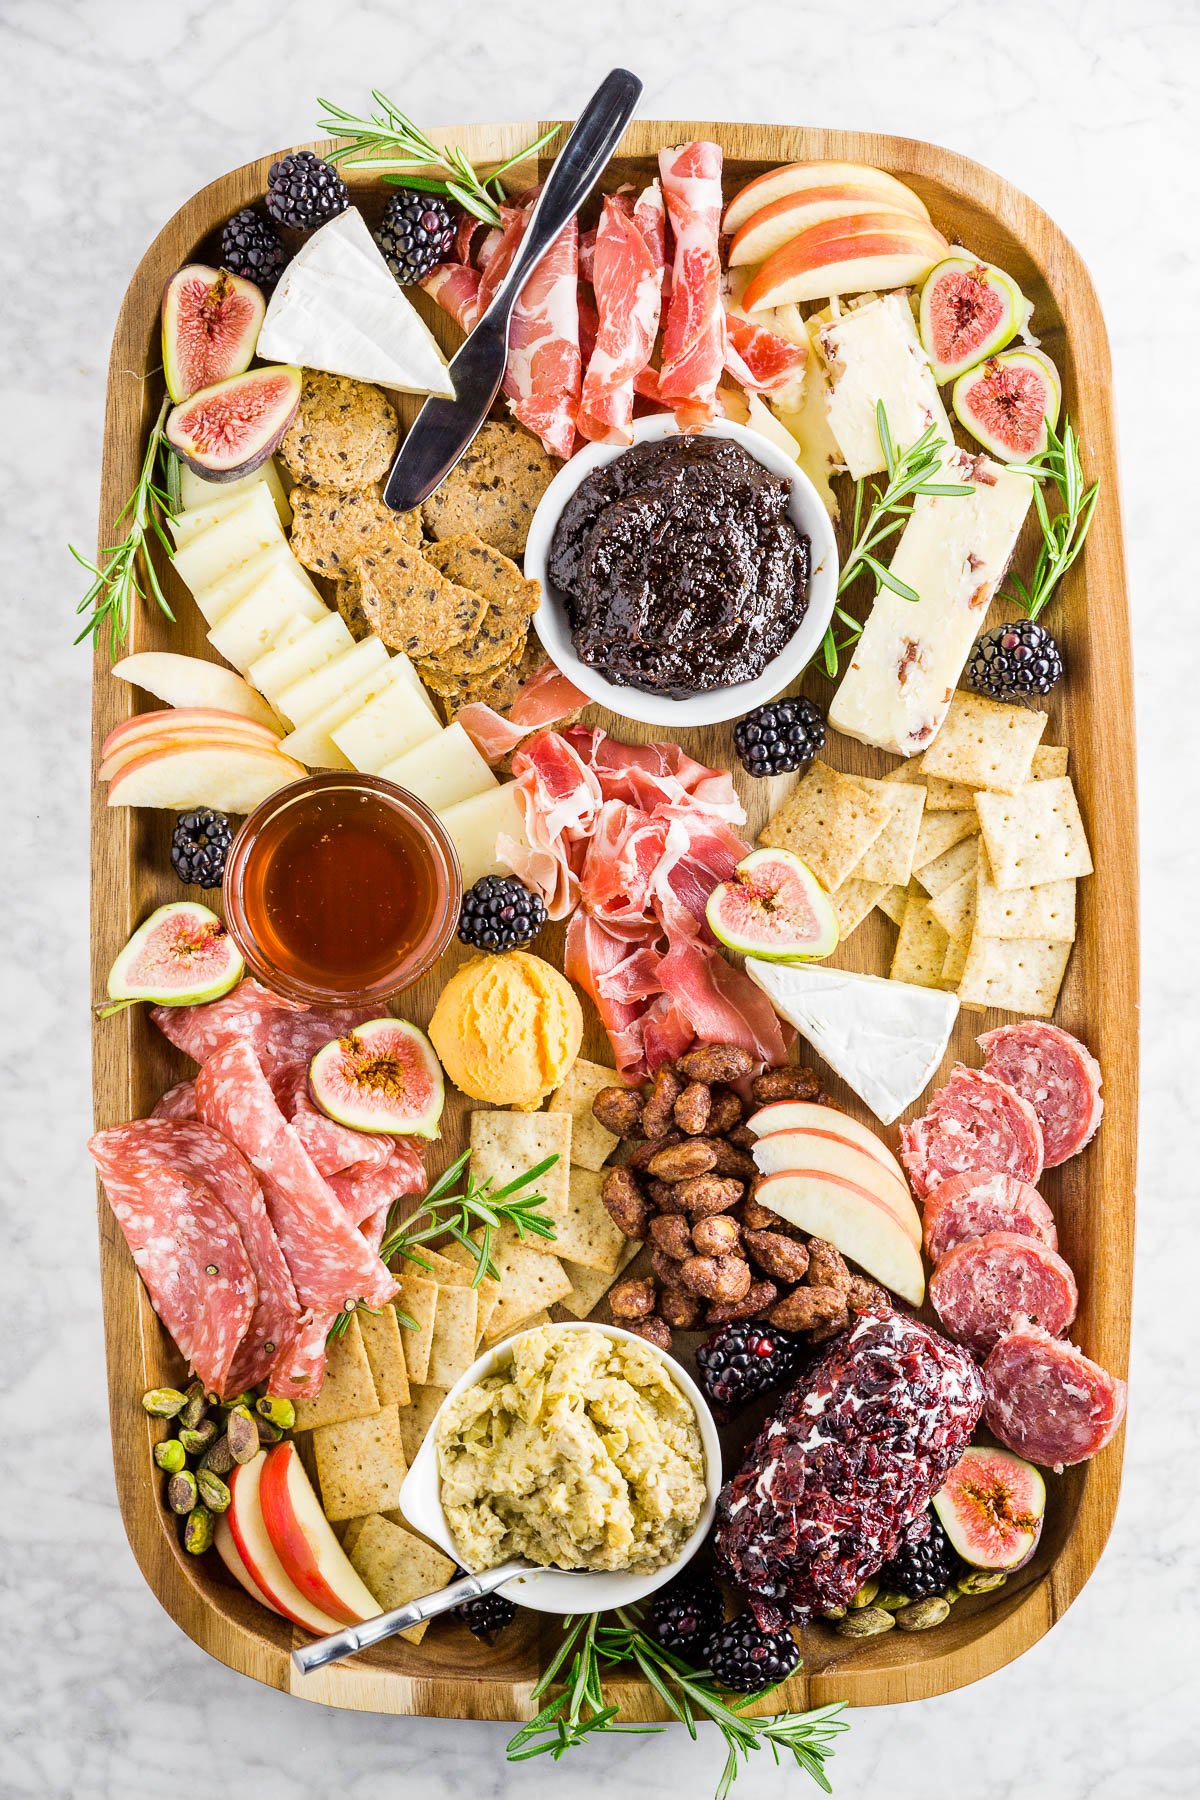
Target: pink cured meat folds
<point>544,699</point>
<point>1058,1076</point>
<point>974,1122</point>
<point>627,271</point>
<point>333,1147</point>
<point>693,348</point>
<point>969,1206</point>
<point>279,1031</point>
<point>329,1261</point>
<point>987,1287</point>
<point>1047,1401</point>
<point>544,370</point>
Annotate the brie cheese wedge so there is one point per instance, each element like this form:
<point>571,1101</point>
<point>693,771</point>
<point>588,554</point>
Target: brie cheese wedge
<point>338,308</point>
<point>885,1039</point>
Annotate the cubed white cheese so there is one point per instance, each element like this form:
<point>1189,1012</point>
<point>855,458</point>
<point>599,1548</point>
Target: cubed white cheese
<point>873,354</point>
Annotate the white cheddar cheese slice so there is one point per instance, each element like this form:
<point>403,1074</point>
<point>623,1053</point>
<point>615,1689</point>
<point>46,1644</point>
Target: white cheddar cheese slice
<point>885,1039</point>
<point>280,669</point>
<point>390,725</point>
<point>312,744</point>
<point>196,490</point>
<point>256,625</point>
<point>443,770</point>
<point>953,552</point>
<point>313,693</point>
<point>873,354</point>
<point>212,555</point>
<point>186,526</point>
<point>477,825</point>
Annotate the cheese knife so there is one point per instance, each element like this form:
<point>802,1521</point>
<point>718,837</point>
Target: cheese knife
<point>443,429</point>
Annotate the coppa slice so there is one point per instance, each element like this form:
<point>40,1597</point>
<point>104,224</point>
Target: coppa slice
<point>814,1153</point>
<point>772,906</point>
<point>856,1220</point>
<point>992,1505</point>
<point>382,1076</point>
<point>180,955</point>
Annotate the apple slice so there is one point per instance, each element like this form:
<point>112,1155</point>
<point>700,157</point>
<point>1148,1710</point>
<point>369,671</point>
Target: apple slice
<point>227,1550</point>
<point>857,1221</point>
<point>805,1115</point>
<point>774,225</point>
<point>187,682</point>
<point>847,256</point>
<point>304,1541</point>
<point>231,778</point>
<point>138,748</point>
<point>820,1153</point>
<point>806,177</point>
<point>259,1556</point>
<point>179,721</point>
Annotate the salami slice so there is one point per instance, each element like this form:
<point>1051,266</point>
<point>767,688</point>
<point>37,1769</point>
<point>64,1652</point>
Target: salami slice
<point>178,1102</point>
<point>333,1147</point>
<point>974,1122</point>
<point>1045,1400</point>
<point>1058,1076</point>
<point>328,1259</point>
<point>364,1191</point>
<point>279,1031</point>
<point>990,1285</point>
<point>971,1205</point>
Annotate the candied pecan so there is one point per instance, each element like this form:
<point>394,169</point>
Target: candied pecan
<point>743,1137</point>
<point>716,1062</point>
<point>831,1327</point>
<point>715,1277</point>
<point>726,1112</point>
<point>864,1295</point>
<point>695,1156</point>
<point>625,1203</point>
<point>619,1110</point>
<point>693,1107</point>
<point>785,1084</point>
<point>703,1195</point>
<point>758,1297</point>
<point>827,1266</point>
<point>655,1331</point>
<point>665,1267</point>
<point>715,1234</point>
<point>643,1153</point>
<point>777,1255</point>
<point>670,1233</point>
<point>732,1161</point>
<point>679,1308</point>
<point>758,1218</point>
<point>632,1299</point>
<point>806,1307</point>
<point>659,1109</point>
<point>665,1197</point>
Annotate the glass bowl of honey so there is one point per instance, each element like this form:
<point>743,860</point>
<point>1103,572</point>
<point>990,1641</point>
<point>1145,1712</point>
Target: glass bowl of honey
<point>342,890</point>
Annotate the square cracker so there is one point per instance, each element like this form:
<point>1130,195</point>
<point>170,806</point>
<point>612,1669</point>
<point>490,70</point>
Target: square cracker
<point>505,1144</point>
<point>893,901</point>
<point>529,1282</point>
<point>1049,760</point>
<point>957,951</point>
<point>1034,836</point>
<point>1021,975</point>
<point>348,1390</point>
<point>473,564</point>
<point>417,1417</point>
<point>455,1335</point>
<point>588,1235</point>
<point>945,870</point>
<point>487,1290</point>
<point>418,1297</point>
<point>1046,912</point>
<point>385,1353</point>
<point>947,796</point>
<point>591,1143</point>
<point>853,901</point>
<point>410,604</point>
<point>890,858</point>
<point>941,832</point>
<point>984,744</point>
<point>912,769</point>
<point>589,1286</point>
<point>829,822</point>
<point>954,907</point>
<point>398,1567</point>
<point>360,1464</point>
<point>920,948</point>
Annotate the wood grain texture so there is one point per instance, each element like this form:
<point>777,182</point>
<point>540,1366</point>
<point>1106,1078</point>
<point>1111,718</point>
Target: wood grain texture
<point>1093,1196</point>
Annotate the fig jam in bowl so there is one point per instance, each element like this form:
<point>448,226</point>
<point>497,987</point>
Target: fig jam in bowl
<point>697,585</point>
<point>341,890</point>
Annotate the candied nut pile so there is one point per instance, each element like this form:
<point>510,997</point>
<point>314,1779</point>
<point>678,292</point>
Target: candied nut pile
<point>686,1189</point>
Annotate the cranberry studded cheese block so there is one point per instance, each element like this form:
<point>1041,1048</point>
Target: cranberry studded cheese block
<point>969,1206</point>
<point>850,1459</point>
<point>1058,1076</point>
<point>974,1122</point>
<point>985,1287</point>
<point>1047,1401</point>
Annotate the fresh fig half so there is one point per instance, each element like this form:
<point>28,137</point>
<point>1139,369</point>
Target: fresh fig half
<point>773,907</point>
<point>1006,401</point>
<point>969,311</point>
<point>180,956</point>
<point>992,1505</point>
<point>382,1076</point>
<point>231,428</point>
<point>210,325</point>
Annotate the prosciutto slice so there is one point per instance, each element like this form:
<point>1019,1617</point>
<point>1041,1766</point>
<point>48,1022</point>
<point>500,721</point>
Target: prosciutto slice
<point>543,373</point>
<point>627,272</point>
<point>693,349</point>
<point>762,361</point>
<point>455,287</point>
<point>545,698</point>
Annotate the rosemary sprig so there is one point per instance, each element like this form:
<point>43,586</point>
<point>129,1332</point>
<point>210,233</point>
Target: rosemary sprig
<point>117,581</point>
<point>389,130</point>
<point>471,1217</point>
<point>1063,532</point>
<point>341,1324</point>
<point>909,474</point>
<point>579,1709</point>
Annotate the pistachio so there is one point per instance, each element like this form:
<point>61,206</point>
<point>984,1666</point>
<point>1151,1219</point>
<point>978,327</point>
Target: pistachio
<point>981,1581</point>
<point>869,1621</point>
<point>923,1613</point>
<point>196,1441</point>
<point>170,1455</point>
<point>865,1595</point>
<point>194,1407</point>
<point>163,1403</point>
<point>218,1457</point>
<point>268,1434</point>
<point>198,1531</point>
<point>834,1612</point>
<point>213,1491</point>
<point>182,1492</point>
<point>245,1433</point>
<point>246,1398</point>
<point>279,1411</point>
<point>891,1602</point>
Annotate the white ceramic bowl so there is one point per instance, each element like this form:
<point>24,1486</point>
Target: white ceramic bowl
<point>556,1590</point>
<point>807,512</point>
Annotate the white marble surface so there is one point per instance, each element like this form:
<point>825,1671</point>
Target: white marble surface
<point>115,113</point>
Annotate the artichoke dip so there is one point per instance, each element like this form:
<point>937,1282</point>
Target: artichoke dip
<point>580,1454</point>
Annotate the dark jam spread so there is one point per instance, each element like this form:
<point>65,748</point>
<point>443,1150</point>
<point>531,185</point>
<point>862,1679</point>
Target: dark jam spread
<point>681,568</point>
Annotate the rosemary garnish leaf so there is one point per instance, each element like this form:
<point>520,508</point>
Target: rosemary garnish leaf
<point>1063,532</point>
<point>126,572</point>
<point>471,1217</point>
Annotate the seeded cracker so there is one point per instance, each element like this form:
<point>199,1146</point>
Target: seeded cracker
<point>360,1465</point>
<point>1046,912</point>
<point>348,1390</point>
<point>486,571</point>
<point>1034,836</point>
<point>498,640</point>
<point>332,527</point>
<point>1021,975</point>
<point>344,434</point>
<point>411,606</point>
<point>397,1567</point>
<point>494,490</point>
<point>984,744</point>
<point>920,948</point>
<point>347,597</point>
<point>890,858</point>
<point>828,822</point>
<point>591,1144</point>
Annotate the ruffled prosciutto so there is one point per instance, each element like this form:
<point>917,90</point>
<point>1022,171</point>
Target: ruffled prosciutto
<point>627,270</point>
<point>693,349</point>
<point>455,287</point>
<point>545,698</point>
<point>762,361</point>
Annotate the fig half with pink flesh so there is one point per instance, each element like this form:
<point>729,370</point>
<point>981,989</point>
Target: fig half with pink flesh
<point>382,1076</point>
<point>969,311</point>
<point>181,955</point>
<point>991,1506</point>
<point>232,427</point>
<point>1006,402</point>
<point>210,326</point>
<point>773,907</point>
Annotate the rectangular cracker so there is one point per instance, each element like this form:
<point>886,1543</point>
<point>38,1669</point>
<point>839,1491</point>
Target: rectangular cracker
<point>985,744</point>
<point>398,1567</point>
<point>960,859</point>
<point>529,1282</point>
<point>385,1353</point>
<point>588,1235</point>
<point>940,832</point>
<point>893,901</point>
<point>920,948</point>
<point>911,769</point>
<point>1046,912</point>
<point>947,796</point>
<point>829,822</point>
<point>467,560</point>
<point>410,604</point>
<point>1034,836</point>
<point>890,858</point>
<point>1021,975</point>
<point>360,1464</point>
<point>1049,760</point>
<point>418,1298</point>
<point>954,907</point>
<point>591,1144</point>
<point>417,1417</point>
<point>505,1144</point>
<point>957,951</point>
<point>589,1286</point>
<point>348,1391</point>
<point>853,901</point>
<point>487,1290</point>
<point>455,1334</point>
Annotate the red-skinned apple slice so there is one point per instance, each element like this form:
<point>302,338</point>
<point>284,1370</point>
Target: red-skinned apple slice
<point>123,754</point>
<point>861,1226</point>
<point>228,1552</point>
<point>847,256</point>
<point>304,1541</point>
<point>821,1153</point>
<point>259,1555</point>
<point>805,1115</point>
<point>232,778</point>
<point>774,225</point>
<point>174,721</point>
<point>802,177</point>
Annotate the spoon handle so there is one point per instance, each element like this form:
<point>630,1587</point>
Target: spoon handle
<point>353,1638</point>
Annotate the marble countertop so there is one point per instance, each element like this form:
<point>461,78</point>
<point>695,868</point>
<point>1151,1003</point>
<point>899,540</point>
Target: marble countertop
<point>116,114</point>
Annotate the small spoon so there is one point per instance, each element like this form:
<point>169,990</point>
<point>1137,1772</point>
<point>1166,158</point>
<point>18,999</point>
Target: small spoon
<point>353,1638</point>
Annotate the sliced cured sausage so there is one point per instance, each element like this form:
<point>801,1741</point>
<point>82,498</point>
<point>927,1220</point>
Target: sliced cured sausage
<point>969,1206</point>
<point>989,1285</point>
<point>364,1191</point>
<point>1058,1076</point>
<point>333,1147</point>
<point>178,1102</point>
<point>974,1122</point>
<point>1047,1401</point>
<point>279,1031</point>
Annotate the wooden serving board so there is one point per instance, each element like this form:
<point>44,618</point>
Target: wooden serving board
<point>450,1674</point>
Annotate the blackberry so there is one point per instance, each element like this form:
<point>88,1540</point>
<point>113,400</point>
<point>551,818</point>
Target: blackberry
<point>304,192</point>
<point>1015,662</point>
<point>921,1569</point>
<point>500,914</point>
<point>487,1617</point>
<point>199,846</point>
<point>746,1659</point>
<point>685,1615</point>
<point>745,1359</point>
<point>417,233</point>
<point>251,247</point>
<point>780,737</point>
